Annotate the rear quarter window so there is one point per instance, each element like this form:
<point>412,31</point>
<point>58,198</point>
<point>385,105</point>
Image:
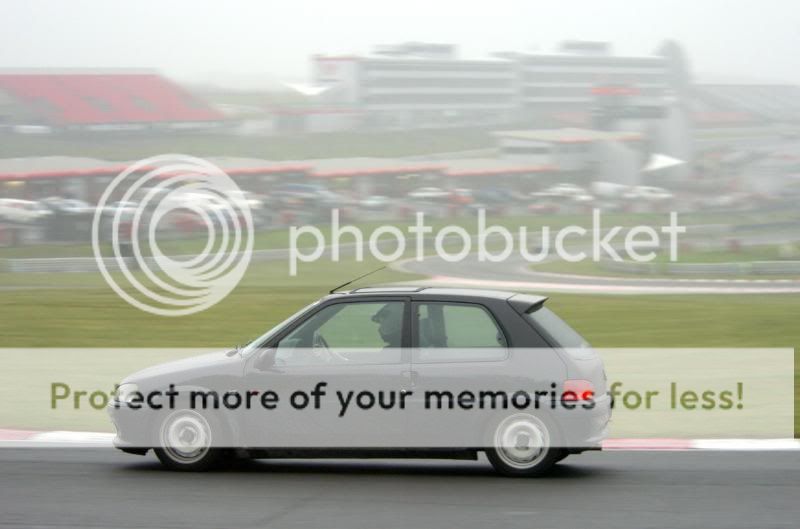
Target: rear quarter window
<point>556,330</point>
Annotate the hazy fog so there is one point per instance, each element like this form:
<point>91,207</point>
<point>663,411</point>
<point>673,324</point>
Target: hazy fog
<point>250,42</point>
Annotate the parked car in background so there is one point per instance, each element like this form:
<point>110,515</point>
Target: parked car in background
<point>609,190</point>
<point>565,190</point>
<point>428,193</point>
<point>493,200</point>
<point>649,193</point>
<point>124,207</point>
<point>303,192</point>
<point>462,196</point>
<point>375,202</point>
<point>22,211</point>
<point>241,196</point>
<point>68,206</point>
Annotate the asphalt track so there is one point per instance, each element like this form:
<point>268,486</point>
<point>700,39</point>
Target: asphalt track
<point>93,488</point>
<point>515,274</point>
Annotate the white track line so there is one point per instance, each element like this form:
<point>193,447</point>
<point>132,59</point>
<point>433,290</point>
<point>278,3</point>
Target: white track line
<point>602,288</point>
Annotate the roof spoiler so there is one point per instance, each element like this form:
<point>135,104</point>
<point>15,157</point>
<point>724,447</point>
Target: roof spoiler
<point>526,303</point>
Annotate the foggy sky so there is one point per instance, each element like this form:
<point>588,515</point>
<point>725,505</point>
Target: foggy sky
<point>238,42</point>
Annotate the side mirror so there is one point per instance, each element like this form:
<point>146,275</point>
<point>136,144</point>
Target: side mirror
<point>266,359</point>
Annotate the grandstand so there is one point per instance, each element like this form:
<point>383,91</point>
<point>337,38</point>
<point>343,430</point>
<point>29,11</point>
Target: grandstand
<point>99,101</point>
<point>428,84</point>
<point>748,103</point>
<point>403,88</point>
<point>418,85</point>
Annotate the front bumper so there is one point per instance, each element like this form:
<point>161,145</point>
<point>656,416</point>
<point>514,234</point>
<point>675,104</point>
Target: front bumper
<point>132,427</point>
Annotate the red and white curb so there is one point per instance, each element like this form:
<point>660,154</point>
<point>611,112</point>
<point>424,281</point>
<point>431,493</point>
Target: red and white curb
<point>54,439</point>
<point>701,444</point>
<point>68,439</point>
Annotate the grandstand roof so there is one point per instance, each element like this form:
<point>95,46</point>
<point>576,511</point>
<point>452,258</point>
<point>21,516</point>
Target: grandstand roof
<point>105,98</point>
<point>489,166</point>
<point>366,166</point>
<point>55,167</point>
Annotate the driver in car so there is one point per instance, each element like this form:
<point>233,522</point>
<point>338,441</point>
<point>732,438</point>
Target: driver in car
<point>390,329</point>
<point>390,324</point>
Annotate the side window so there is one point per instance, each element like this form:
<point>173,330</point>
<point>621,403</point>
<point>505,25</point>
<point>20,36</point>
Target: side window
<point>346,333</point>
<point>457,332</point>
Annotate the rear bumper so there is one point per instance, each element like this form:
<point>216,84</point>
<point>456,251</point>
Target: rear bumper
<point>585,429</point>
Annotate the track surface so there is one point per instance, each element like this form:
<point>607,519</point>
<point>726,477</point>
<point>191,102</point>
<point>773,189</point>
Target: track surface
<point>515,273</point>
<point>102,488</point>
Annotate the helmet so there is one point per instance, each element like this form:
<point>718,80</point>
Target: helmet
<point>390,322</point>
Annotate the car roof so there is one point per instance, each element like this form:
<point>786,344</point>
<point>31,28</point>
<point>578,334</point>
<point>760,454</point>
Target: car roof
<point>430,292</point>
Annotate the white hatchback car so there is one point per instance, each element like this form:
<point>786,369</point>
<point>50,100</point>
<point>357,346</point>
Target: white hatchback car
<point>22,211</point>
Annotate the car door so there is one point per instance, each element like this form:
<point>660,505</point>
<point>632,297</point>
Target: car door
<point>353,352</point>
<point>459,349</point>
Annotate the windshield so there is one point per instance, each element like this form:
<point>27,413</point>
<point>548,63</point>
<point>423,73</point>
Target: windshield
<point>254,344</point>
<point>556,329</point>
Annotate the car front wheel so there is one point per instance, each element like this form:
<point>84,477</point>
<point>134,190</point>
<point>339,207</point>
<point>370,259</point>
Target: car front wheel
<point>185,441</point>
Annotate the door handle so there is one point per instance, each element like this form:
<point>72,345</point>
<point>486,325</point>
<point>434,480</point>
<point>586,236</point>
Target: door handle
<point>412,378</point>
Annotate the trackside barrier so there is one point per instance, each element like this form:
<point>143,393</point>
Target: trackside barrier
<point>89,264</point>
<point>744,268</point>
<point>704,268</point>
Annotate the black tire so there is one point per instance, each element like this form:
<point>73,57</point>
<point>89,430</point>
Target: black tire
<point>175,457</point>
<point>530,460</point>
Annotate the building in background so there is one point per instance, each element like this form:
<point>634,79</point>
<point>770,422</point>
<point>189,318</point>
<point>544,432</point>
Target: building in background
<point>419,85</point>
<point>582,84</point>
<point>559,87</point>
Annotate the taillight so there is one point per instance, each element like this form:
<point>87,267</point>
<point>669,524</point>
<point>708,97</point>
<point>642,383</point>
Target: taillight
<point>577,389</point>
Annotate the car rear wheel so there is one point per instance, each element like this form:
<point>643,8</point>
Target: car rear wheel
<point>185,441</point>
<point>523,445</point>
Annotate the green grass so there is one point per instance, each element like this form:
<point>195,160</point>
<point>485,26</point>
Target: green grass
<point>683,321</point>
<point>279,238</point>
<point>288,147</point>
<point>91,315</point>
<point>80,310</point>
<point>744,255</point>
